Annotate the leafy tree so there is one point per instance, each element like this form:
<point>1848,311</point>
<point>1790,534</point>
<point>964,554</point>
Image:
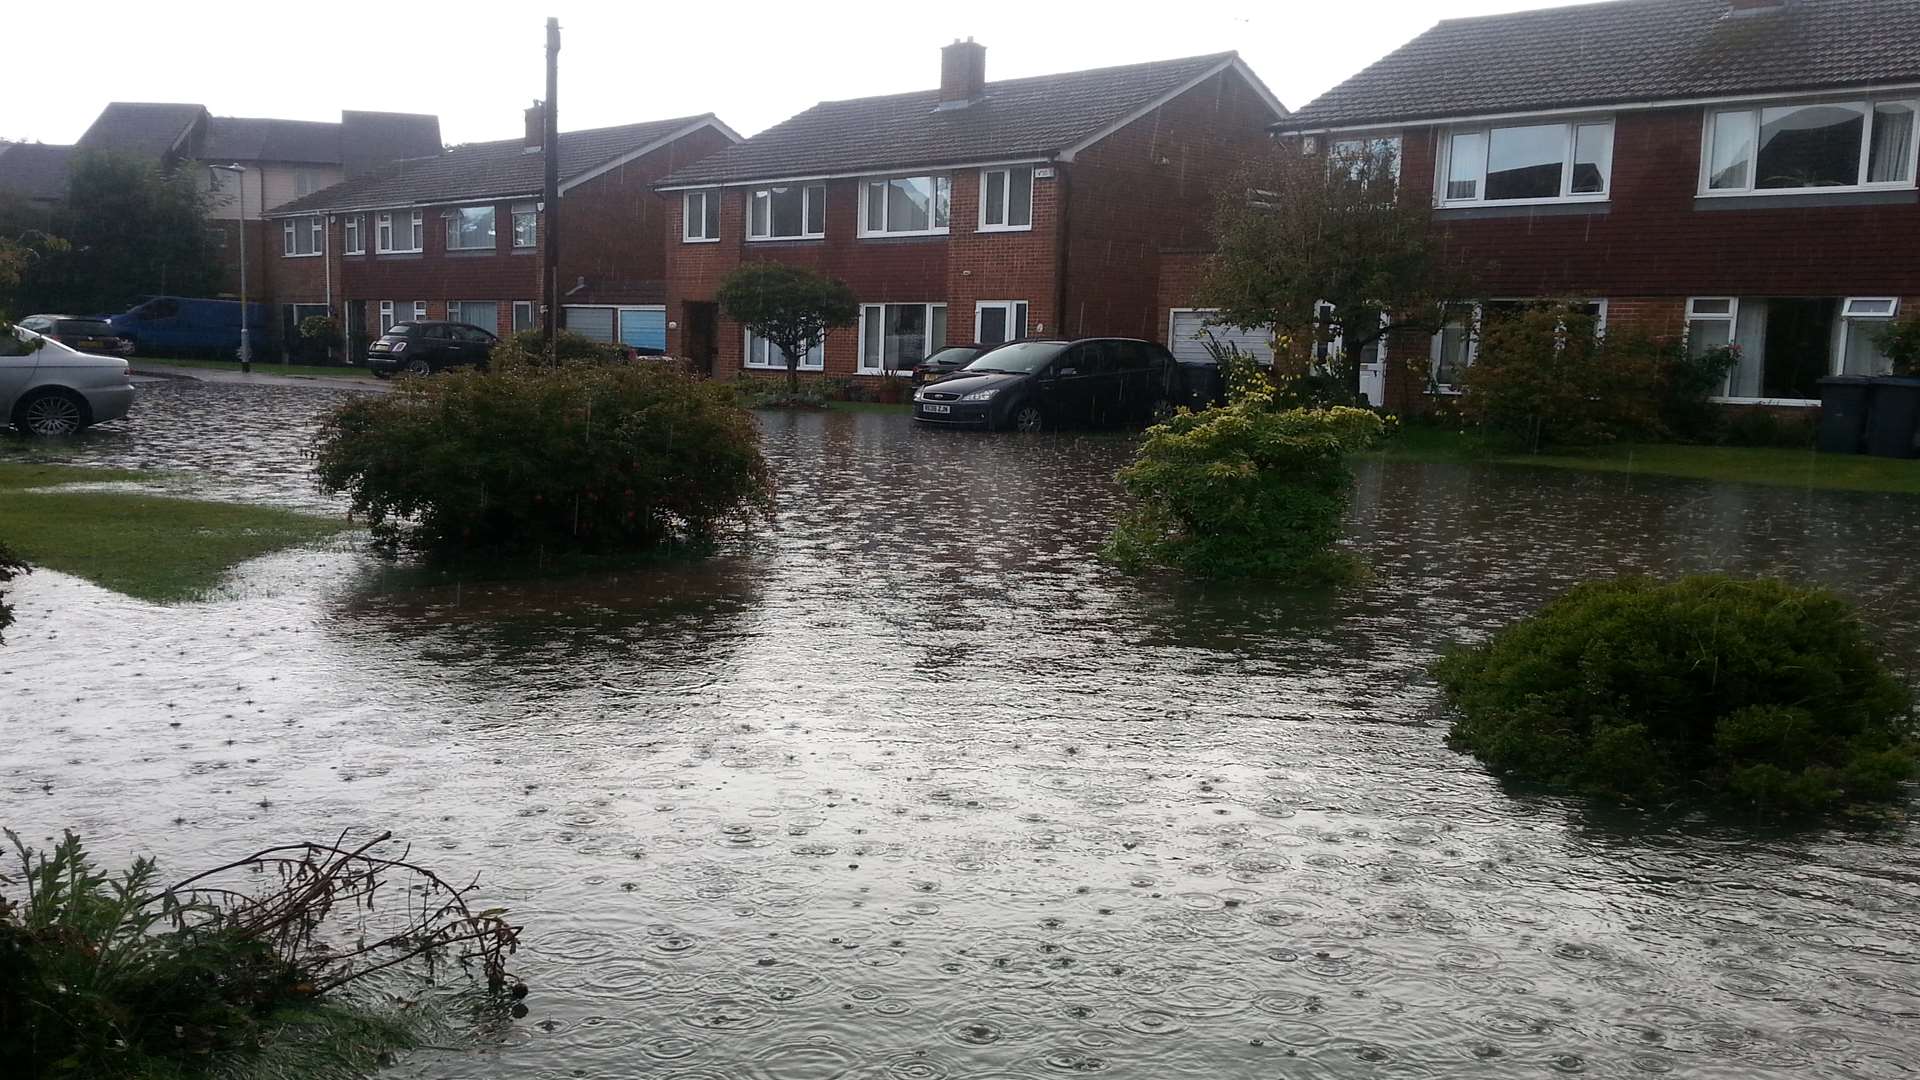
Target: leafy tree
<point>24,242</point>
<point>791,306</point>
<point>1303,230</point>
<point>131,229</point>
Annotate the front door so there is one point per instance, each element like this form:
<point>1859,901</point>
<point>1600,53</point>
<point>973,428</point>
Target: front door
<point>999,321</point>
<point>698,340</point>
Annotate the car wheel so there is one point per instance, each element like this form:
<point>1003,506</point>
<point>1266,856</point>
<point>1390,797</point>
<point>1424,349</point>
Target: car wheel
<point>419,366</point>
<point>52,413</point>
<point>1027,416</point>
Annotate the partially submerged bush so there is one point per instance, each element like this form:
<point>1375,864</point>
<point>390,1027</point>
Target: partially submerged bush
<point>1758,692</point>
<point>580,458</point>
<point>528,349</point>
<point>11,566</point>
<point>104,977</point>
<point>1243,491</point>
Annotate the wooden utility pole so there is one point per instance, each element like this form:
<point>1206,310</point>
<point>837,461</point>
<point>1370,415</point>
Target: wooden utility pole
<point>550,192</point>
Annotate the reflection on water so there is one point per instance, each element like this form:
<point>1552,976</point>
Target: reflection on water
<point>909,786</point>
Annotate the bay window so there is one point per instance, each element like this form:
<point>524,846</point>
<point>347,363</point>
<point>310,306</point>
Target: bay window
<point>793,212</point>
<point>470,228</point>
<point>399,231</point>
<point>303,236</point>
<point>906,204</point>
<point>895,337</point>
<point>1546,162</point>
<point>700,216</point>
<point>1811,146</point>
<point>1787,344</point>
<point>765,355</point>
<point>1006,198</point>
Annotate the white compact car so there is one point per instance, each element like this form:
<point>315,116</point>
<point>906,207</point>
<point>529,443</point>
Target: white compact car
<point>47,388</point>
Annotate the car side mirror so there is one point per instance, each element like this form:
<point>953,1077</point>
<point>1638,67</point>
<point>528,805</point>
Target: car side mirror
<point>1065,371</point>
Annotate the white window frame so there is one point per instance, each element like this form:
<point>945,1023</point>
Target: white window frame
<point>316,235</point>
<point>385,226</point>
<point>419,311</point>
<point>1365,144</point>
<point>353,234</point>
<point>771,359</point>
<point>936,181</point>
<point>1443,165</point>
<point>1009,306</point>
<point>451,217</point>
<point>1836,362</point>
<point>1473,335</point>
<point>1711,116</point>
<point>304,183</point>
<point>861,367</point>
<point>807,196</point>
<point>387,316</point>
<point>1005,173</point>
<point>519,210</point>
<point>706,197</point>
<point>533,315</point>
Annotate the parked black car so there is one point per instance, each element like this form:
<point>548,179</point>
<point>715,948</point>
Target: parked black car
<point>946,362</point>
<point>1036,384</point>
<point>422,348</point>
<point>94,336</point>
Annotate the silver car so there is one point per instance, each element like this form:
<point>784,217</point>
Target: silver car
<point>47,388</point>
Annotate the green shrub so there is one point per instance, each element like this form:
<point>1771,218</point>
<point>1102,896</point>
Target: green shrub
<point>1758,692</point>
<point>1243,490</point>
<point>1900,341</point>
<point>574,459</point>
<point>1761,426</point>
<point>527,349</point>
<point>11,566</point>
<point>759,392</point>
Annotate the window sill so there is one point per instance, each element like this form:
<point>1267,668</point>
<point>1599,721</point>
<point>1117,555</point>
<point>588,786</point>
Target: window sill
<point>784,239</point>
<point>903,234</point>
<point>1805,197</point>
<point>1488,211</point>
<point>699,239</point>
<point>781,369</point>
<point>901,372</point>
<point>301,254</point>
<point>1789,403</point>
<point>402,251</point>
<point>1004,228</point>
<point>361,251</point>
<point>471,251</point>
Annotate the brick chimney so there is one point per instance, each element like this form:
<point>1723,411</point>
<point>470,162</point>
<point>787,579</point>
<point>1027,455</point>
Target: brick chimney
<point>963,73</point>
<point>536,127</point>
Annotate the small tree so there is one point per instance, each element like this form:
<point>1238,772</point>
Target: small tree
<point>790,306</point>
<point>1319,246</point>
<point>131,229</point>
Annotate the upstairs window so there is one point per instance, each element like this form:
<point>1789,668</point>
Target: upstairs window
<point>1006,198</point>
<point>526,225</point>
<point>1818,146</point>
<point>1527,163</point>
<point>302,236</point>
<point>906,204</point>
<point>470,228</point>
<point>305,183</point>
<point>356,240</point>
<point>399,231</point>
<point>700,216</point>
<point>794,212</point>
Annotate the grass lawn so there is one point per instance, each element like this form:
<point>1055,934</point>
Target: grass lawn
<point>260,367</point>
<point>147,546</point>
<point>1726,464</point>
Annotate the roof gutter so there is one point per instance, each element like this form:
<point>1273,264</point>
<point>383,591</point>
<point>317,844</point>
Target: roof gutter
<point>1282,127</point>
<point>895,170</point>
<point>363,208</point>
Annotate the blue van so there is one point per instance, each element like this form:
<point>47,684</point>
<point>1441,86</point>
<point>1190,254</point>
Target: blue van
<point>160,325</point>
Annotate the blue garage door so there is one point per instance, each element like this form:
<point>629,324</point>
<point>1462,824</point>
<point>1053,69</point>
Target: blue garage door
<point>644,328</point>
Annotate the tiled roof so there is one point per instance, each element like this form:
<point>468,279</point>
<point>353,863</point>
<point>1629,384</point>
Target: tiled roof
<point>485,170</point>
<point>369,140</point>
<point>1015,118</point>
<point>34,170</point>
<point>1629,51</point>
<point>239,138</point>
<point>146,128</point>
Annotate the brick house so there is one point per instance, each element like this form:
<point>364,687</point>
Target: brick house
<point>1735,170</point>
<point>981,211</point>
<point>459,235</point>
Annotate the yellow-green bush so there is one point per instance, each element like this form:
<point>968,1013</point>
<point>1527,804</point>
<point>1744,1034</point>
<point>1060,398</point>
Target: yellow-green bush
<point>1757,692</point>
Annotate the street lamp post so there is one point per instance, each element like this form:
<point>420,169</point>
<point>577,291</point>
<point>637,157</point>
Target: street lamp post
<point>246,315</point>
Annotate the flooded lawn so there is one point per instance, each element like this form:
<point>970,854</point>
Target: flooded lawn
<point>911,787</point>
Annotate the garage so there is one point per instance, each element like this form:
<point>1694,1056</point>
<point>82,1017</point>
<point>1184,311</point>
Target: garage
<point>642,327</point>
<point>1189,327</point>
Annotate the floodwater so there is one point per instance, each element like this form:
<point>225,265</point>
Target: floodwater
<point>910,786</point>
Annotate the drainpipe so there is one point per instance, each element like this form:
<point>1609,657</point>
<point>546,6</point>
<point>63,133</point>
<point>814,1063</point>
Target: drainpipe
<point>326,259</point>
<point>1061,202</point>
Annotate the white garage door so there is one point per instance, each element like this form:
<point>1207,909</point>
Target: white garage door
<point>1189,330</point>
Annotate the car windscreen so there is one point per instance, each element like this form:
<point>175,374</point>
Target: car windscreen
<point>399,329</point>
<point>1020,357</point>
<point>83,328</point>
<point>958,354</point>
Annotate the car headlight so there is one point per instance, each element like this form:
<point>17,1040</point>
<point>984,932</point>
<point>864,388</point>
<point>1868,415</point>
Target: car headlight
<point>399,346</point>
<point>981,395</point>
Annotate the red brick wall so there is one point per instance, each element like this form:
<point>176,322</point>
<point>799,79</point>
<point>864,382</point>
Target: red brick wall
<point>1181,275</point>
<point>613,228</point>
<point>1151,186</point>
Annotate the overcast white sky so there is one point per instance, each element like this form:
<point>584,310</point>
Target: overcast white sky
<point>478,64</point>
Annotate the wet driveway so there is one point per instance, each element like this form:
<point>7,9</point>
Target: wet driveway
<point>912,787</point>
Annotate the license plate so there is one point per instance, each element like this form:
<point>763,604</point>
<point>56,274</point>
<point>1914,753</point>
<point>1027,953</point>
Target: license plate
<point>925,407</point>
